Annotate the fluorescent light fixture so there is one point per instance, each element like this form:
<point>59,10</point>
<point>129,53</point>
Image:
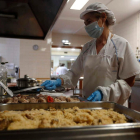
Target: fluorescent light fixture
<point>62,56</point>
<point>78,4</point>
<point>58,48</point>
<point>73,49</point>
<point>72,59</point>
<point>65,41</point>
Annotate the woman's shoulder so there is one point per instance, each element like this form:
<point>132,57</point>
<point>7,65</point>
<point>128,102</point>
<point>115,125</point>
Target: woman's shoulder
<point>88,45</point>
<point>119,39</point>
<point>122,44</point>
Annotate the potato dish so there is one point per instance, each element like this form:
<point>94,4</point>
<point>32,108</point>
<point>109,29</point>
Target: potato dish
<point>54,118</point>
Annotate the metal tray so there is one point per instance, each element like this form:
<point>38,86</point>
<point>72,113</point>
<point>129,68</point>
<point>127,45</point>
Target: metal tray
<point>33,95</point>
<point>132,115</point>
<point>103,132</point>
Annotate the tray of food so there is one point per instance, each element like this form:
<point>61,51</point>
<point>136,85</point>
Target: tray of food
<point>37,98</point>
<point>68,115</point>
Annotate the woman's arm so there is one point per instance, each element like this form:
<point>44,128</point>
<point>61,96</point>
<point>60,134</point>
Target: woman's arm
<point>71,78</point>
<point>128,68</point>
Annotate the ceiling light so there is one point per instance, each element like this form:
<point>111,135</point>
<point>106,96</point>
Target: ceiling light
<point>62,56</point>
<point>58,48</point>
<point>65,41</point>
<point>68,1</point>
<point>78,4</point>
<point>73,49</point>
<point>72,59</point>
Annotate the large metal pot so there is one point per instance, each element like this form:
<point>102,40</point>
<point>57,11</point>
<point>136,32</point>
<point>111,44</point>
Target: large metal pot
<point>26,82</point>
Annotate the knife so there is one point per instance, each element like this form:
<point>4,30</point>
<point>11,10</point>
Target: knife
<point>27,89</point>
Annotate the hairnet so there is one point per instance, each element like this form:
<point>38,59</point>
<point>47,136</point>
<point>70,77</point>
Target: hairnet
<point>101,8</point>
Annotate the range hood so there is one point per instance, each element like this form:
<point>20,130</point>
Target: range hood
<point>28,19</point>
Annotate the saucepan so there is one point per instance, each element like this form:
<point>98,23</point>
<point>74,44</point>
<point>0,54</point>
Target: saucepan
<point>26,82</point>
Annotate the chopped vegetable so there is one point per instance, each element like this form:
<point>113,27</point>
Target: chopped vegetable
<point>50,99</point>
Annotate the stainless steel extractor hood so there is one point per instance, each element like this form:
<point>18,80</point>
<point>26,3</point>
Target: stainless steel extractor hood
<point>28,19</point>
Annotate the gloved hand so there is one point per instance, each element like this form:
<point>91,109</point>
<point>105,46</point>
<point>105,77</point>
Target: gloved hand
<point>51,85</point>
<point>95,96</point>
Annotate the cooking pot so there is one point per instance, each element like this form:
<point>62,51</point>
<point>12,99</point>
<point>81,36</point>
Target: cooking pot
<point>26,82</point>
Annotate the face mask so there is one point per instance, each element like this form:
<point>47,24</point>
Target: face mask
<point>94,30</point>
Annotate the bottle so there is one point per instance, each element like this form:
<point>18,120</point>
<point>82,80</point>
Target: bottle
<point>3,76</point>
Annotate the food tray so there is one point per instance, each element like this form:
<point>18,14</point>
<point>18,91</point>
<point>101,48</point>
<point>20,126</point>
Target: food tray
<point>132,115</point>
<point>123,131</point>
<point>35,95</point>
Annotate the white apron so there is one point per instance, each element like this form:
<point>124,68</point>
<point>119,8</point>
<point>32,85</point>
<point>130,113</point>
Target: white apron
<point>99,70</point>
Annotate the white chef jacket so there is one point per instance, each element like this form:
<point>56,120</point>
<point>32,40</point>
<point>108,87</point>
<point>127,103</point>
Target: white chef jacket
<point>61,70</point>
<point>128,67</point>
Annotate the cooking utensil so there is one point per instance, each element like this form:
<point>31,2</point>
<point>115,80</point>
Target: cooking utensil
<point>6,89</point>
<point>83,99</point>
<point>27,89</point>
<point>26,82</point>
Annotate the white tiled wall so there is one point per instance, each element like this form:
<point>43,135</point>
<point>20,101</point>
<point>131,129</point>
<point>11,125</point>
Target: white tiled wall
<point>128,29</point>
<point>10,50</point>
<point>35,63</point>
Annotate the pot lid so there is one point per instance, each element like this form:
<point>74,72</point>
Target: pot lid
<point>26,78</point>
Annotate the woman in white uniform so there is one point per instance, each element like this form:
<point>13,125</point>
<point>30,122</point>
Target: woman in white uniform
<point>107,62</point>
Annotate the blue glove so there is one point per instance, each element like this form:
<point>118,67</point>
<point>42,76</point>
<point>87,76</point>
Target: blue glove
<point>95,96</point>
<point>51,85</point>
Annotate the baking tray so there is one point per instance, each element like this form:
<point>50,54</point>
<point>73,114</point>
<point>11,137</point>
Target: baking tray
<point>132,115</point>
<point>123,131</point>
